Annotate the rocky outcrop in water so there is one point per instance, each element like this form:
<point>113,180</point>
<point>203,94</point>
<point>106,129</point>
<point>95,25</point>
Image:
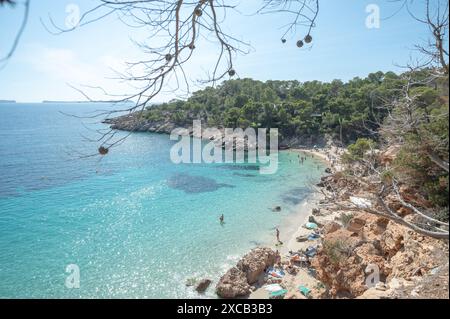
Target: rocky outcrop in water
<point>238,280</point>
<point>233,284</point>
<point>137,122</point>
<point>203,285</point>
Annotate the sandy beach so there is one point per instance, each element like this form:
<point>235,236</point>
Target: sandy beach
<point>293,227</point>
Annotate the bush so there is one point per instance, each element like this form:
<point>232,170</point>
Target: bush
<point>337,251</point>
<point>357,150</point>
<point>346,218</point>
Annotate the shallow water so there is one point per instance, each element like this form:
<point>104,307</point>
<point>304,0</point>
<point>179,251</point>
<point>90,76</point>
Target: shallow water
<point>137,225</point>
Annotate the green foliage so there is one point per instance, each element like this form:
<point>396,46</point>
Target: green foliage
<point>346,218</point>
<point>337,251</point>
<point>427,137</point>
<point>344,110</point>
<point>357,150</point>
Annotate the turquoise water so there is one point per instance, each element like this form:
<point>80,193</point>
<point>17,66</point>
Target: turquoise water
<point>137,225</point>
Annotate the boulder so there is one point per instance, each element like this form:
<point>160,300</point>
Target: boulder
<point>356,224</point>
<point>238,280</point>
<point>254,263</point>
<point>392,239</point>
<point>203,285</point>
<point>331,227</point>
<point>233,284</point>
<point>389,155</point>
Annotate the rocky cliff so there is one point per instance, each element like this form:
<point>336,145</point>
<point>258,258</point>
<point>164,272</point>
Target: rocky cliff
<point>356,241</point>
<point>136,122</point>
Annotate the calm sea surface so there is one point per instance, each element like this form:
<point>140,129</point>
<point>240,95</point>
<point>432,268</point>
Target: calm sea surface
<point>137,225</point>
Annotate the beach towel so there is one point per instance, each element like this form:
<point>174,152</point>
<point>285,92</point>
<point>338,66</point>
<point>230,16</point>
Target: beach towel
<point>273,288</point>
<point>277,274</point>
<point>304,290</point>
<point>311,225</point>
<point>313,237</point>
<point>278,294</point>
<point>311,252</point>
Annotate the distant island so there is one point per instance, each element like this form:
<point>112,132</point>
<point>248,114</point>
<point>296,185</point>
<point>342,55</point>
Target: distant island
<point>73,102</point>
<point>7,101</point>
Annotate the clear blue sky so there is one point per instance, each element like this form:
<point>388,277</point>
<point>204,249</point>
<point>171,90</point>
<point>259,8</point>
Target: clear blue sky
<point>44,64</point>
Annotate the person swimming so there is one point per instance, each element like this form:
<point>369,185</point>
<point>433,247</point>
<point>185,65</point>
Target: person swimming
<point>222,219</point>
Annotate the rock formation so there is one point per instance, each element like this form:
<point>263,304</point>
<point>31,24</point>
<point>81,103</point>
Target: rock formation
<point>238,280</point>
<point>398,252</point>
<point>203,285</point>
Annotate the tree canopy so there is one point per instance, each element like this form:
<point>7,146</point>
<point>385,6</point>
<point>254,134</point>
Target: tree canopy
<point>346,111</point>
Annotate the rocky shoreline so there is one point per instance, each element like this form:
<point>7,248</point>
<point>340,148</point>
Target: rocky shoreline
<point>336,259</point>
<point>135,122</point>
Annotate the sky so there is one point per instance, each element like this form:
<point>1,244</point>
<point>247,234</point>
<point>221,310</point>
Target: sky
<point>49,67</point>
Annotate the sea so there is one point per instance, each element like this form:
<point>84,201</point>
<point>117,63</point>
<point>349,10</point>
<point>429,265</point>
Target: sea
<point>131,224</point>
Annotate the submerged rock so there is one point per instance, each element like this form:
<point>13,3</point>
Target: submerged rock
<point>203,285</point>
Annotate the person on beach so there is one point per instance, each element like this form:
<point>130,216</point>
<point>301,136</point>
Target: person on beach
<point>278,236</point>
<point>278,259</point>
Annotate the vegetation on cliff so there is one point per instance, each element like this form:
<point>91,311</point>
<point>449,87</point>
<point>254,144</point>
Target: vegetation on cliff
<point>344,110</point>
<point>413,166</point>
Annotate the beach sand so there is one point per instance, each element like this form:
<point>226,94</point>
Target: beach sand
<point>292,228</point>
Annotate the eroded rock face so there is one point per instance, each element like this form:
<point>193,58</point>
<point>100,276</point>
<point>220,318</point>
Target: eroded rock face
<point>331,227</point>
<point>254,263</point>
<point>238,280</point>
<point>392,239</point>
<point>233,284</point>
<point>397,251</point>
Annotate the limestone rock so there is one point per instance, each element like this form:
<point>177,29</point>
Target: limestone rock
<point>203,285</point>
<point>233,284</point>
<point>238,280</point>
<point>331,227</point>
<point>356,225</point>
<point>254,263</point>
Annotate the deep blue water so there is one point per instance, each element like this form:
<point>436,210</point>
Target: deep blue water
<point>137,225</point>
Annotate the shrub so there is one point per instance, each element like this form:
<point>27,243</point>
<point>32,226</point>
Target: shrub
<point>346,218</point>
<point>357,150</point>
<point>337,251</point>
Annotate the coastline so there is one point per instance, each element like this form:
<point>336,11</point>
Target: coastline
<point>292,228</point>
<point>313,201</point>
